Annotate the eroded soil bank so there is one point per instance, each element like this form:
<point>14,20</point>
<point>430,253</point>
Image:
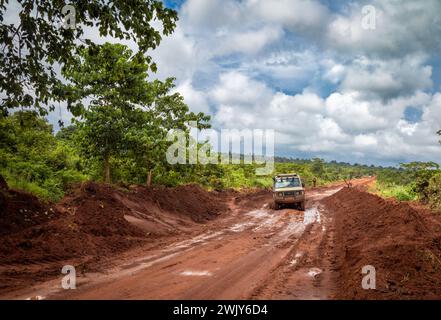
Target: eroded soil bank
<point>403,243</point>
<point>92,223</point>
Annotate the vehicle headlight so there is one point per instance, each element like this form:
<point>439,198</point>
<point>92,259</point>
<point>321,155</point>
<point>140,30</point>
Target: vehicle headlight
<point>280,194</point>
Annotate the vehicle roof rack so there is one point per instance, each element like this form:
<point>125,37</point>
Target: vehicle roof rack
<point>287,175</point>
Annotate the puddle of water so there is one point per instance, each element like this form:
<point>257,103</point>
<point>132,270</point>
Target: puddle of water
<point>196,240</point>
<point>196,273</point>
<point>260,214</point>
<point>270,222</point>
<point>238,227</point>
<point>313,272</point>
<point>311,215</point>
<point>295,228</point>
<point>143,265</point>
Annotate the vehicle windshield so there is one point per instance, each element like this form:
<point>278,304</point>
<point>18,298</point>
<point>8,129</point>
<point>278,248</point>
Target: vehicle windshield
<point>289,182</point>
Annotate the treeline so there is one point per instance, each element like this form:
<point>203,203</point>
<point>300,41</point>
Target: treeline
<point>32,158</point>
<point>118,131</point>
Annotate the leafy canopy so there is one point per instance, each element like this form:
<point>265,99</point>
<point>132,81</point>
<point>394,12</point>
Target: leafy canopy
<point>126,115</point>
<point>33,47</point>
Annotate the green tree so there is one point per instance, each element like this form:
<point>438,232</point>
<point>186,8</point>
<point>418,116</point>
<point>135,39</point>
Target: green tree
<point>417,166</point>
<point>128,116</point>
<point>434,191</point>
<point>100,135</point>
<point>114,81</point>
<point>109,74</point>
<point>146,136</point>
<point>36,44</point>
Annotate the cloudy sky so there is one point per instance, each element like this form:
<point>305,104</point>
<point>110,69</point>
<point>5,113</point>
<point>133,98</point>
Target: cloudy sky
<point>330,85</point>
<point>312,70</point>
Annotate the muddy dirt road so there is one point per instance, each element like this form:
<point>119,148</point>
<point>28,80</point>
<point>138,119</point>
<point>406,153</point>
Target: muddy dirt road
<point>253,252</point>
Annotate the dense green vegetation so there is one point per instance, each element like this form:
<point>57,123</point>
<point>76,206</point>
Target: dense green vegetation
<point>32,158</point>
<point>36,160</point>
<point>411,181</point>
<point>128,117</point>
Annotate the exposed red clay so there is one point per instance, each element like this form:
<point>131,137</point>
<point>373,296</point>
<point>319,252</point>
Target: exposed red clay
<point>187,243</point>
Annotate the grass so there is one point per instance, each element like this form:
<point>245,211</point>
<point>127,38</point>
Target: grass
<point>398,192</point>
<point>50,190</point>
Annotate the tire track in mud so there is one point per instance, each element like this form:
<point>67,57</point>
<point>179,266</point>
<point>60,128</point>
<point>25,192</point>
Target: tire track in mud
<point>306,272</point>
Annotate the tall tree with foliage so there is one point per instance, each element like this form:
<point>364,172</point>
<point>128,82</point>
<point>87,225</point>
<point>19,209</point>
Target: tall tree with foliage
<point>34,45</point>
<point>100,135</point>
<point>147,134</point>
<point>113,80</point>
<point>128,116</point>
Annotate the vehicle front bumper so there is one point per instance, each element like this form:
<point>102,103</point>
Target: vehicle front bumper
<point>289,199</point>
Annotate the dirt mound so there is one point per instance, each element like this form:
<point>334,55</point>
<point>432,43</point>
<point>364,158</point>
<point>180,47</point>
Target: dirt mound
<point>97,211</point>
<point>77,224</point>
<point>253,198</point>
<point>189,200</point>
<point>394,238</point>
<point>90,223</point>
<point>20,210</point>
<point>93,222</point>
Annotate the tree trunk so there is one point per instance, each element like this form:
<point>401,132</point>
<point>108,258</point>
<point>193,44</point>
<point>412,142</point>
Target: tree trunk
<point>107,169</point>
<point>149,177</point>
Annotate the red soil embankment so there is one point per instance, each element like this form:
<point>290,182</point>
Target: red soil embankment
<point>95,221</point>
<point>402,243</point>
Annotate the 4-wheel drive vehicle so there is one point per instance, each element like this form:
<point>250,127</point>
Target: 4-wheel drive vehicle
<point>288,189</point>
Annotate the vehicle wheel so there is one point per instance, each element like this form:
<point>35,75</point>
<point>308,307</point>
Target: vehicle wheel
<point>276,206</point>
<point>302,206</point>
